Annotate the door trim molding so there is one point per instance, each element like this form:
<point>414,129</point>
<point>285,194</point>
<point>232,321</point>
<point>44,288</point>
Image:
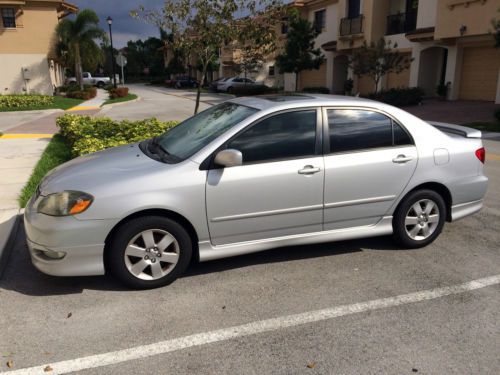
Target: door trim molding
<point>360,201</point>
<point>267,213</point>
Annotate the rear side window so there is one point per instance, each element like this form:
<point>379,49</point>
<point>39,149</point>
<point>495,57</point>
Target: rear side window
<point>283,136</point>
<point>358,129</point>
<point>401,137</point>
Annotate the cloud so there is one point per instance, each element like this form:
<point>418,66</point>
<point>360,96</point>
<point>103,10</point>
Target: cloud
<point>125,27</point>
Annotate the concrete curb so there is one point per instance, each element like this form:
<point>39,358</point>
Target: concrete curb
<point>8,231</point>
<point>120,103</point>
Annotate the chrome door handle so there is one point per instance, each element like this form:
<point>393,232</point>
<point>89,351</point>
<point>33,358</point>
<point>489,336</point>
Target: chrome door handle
<point>400,159</point>
<point>309,169</point>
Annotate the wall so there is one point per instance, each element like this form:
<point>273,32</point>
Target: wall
<point>37,33</point>
<point>28,46</point>
<point>11,78</point>
<point>426,16</point>
<point>476,16</point>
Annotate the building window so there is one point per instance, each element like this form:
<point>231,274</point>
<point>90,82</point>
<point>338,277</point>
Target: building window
<point>8,17</point>
<point>320,20</point>
<point>271,71</point>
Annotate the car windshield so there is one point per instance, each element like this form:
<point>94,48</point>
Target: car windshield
<point>193,134</point>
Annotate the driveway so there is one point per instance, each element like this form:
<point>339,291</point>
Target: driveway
<point>162,103</point>
<point>319,309</point>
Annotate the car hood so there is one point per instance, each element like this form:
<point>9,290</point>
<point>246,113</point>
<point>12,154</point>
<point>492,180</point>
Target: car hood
<point>109,167</point>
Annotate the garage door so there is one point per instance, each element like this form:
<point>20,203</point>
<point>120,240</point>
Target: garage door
<point>479,73</point>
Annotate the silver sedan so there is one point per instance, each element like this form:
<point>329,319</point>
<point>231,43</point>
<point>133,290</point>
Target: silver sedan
<point>252,174</point>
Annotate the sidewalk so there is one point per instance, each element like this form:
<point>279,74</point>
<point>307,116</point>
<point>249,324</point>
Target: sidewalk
<point>94,103</point>
<point>20,149</point>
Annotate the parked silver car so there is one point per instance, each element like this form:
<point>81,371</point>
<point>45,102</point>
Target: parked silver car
<point>252,174</point>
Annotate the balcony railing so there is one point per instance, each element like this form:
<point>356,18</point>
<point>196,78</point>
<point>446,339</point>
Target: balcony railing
<point>401,23</point>
<point>349,26</point>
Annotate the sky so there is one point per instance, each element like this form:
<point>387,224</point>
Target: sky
<point>125,28</point>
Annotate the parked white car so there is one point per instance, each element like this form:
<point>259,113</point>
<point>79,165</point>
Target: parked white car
<point>89,80</point>
<point>229,84</point>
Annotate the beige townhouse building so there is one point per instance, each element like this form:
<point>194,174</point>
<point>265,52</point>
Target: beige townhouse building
<point>28,59</point>
<point>450,42</point>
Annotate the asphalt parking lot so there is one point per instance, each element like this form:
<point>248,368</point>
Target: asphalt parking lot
<point>342,322</point>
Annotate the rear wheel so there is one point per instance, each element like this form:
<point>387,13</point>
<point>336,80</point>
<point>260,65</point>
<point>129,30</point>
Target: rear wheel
<point>149,252</point>
<point>419,218</point>
<point>100,84</point>
<point>229,90</point>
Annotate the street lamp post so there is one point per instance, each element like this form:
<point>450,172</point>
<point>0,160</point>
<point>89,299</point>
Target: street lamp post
<point>110,22</point>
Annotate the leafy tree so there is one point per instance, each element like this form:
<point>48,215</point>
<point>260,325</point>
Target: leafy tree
<point>77,39</point>
<point>299,53</point>
<point>147,54</point>
<point>378,59</point>
<point>200,27</point>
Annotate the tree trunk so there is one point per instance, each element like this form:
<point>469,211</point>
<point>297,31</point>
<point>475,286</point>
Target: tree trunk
<point>296,81</point>
<point>78,67</point>
<point>198,91</point>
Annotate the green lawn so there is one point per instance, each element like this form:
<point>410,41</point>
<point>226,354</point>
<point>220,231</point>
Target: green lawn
<point>120,100</point>
<point>57,152</point>
<point>59,103</point>
<point>491,126</point>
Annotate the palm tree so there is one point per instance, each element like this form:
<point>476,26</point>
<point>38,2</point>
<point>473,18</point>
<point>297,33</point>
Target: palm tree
<point>78,36</point>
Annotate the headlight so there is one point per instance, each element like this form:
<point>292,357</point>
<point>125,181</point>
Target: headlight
<point>65,203</point>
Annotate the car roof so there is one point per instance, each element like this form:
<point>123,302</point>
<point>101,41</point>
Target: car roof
<point>263,102</point>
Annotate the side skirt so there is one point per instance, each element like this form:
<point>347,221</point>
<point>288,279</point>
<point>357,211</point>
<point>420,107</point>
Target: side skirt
<point>210,252</point>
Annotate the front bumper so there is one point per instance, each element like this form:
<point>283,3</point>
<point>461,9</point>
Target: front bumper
<point>66,246</point>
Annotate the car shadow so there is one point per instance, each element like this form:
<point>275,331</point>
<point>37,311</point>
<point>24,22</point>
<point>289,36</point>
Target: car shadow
<point>20,275</point>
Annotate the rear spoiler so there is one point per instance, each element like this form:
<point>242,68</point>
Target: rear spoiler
<point>456,129</point>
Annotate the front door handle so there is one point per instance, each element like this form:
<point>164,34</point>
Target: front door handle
<point>400,159</point>
<point>309,169</point>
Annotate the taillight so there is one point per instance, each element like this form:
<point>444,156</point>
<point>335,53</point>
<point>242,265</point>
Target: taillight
<point>481,154</point>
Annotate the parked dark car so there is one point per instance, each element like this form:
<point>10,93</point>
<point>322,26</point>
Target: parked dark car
<point>186,81</point>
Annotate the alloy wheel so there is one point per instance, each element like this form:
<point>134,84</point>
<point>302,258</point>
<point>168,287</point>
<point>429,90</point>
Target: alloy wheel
<point>422,219</point>
<point>152,254</point>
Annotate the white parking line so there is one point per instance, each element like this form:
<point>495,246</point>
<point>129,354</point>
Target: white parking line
<point>143,351</point>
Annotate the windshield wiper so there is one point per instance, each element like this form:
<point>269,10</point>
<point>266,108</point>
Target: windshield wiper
<point>154,147</point>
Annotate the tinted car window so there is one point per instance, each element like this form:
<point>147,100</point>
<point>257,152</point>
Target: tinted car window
<point>353,129</point>
<point>287,135</point>
<point>401,137</point>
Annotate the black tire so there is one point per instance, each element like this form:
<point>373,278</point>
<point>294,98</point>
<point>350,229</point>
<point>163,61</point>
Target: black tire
<point>402,235</point>
<point>115,256</point>
<point>229,90</point>
<point>100,84</point>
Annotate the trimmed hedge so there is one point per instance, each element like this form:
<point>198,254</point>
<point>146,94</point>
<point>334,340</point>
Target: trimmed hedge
<point>22,101</point>
<point>86,134</point>
<point>119,92</point>
<point>87,93</point>
<point>497,114</point>
<point>399,97</point>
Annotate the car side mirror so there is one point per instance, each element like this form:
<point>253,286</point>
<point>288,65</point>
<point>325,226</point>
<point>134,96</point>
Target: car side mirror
<point>229,158</point>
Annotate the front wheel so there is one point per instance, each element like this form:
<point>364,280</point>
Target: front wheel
<point>419,219</point>
<point>149,252</point>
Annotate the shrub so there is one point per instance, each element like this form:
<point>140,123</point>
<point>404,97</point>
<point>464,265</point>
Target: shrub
<point>119,92</point>
<point>497,114</point>
<point>88,93</point>
<point>252,90</point>
<point>399,97</point>
<point>22,101</point>
<point>316,90</point>
<point>88,134</point>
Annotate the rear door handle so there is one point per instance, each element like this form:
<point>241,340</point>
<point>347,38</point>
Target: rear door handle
<point>309,169</point>
<point>400,159</point>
